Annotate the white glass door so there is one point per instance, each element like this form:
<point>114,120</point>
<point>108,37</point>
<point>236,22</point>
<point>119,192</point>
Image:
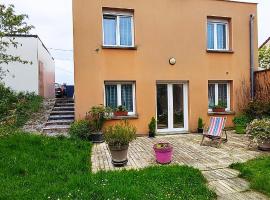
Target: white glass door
<point>172,104</point>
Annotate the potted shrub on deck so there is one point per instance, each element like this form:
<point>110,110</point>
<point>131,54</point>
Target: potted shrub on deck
<point>152,127</point>
<point>118,138</point>
<point>97,117</point>
<point>220,107</point>
<point>200,125</point>
<point>120,111</point>
<point>259,132</point>
<point>163,152</point>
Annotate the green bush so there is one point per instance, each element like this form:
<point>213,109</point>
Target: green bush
<point>152,126</point>
<point>200,123</point>
<point>16,108</point>
<point>241,120</point>
<point>120,134</point>
<point>257,110</point>
<point>80,129</point>
<point>259,130</point>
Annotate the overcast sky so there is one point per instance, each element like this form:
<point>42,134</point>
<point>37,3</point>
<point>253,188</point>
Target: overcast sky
<point>53,23</point>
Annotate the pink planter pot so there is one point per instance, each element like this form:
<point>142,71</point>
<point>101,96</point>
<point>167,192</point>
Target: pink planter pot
<point>163,154</point>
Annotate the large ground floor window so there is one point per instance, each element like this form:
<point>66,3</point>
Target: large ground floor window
<point>218,94</point>
<point>120,93</point>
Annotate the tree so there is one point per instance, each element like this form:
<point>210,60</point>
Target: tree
<point>11,24</point>
<point>264,57</point>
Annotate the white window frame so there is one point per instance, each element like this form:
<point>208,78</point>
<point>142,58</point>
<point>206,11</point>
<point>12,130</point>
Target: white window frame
<point>216,95</point>
<point>119,94</point>
<point>216,22</point>
<point>118,15</point>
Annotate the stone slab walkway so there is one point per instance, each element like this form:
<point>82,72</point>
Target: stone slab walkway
<point>213,162</point>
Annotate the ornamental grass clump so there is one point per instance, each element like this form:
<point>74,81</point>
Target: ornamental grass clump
<point>259,130</point>
<point>120,134</point>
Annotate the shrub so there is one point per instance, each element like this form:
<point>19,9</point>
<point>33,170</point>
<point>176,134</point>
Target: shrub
<point>257,109</point>
<point>80,129</point>
<point>152,126</point>
<point>259,130</point>
<point>241,120</point>
<point>97,116</point>
<point>200,123</point>
<point>16,108</point>
<point>120,134</point>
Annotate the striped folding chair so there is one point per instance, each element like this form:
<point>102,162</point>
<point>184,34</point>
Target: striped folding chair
<point>216,130</point>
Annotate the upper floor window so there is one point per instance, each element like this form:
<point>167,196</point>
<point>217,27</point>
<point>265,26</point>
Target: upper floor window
<point>118,29</point>
<point>217,34</point>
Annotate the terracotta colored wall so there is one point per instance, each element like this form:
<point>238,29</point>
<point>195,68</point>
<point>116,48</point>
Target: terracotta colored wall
<point>163,29</point>
<point>262,84</point>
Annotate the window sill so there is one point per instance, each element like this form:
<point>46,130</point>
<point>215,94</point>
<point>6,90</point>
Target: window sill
<point>219,51</point>
<point>119,47</point>
<point>125,117</point>
<point>221,113</point>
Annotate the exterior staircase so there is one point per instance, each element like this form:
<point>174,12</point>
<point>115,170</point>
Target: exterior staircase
<point>61,116</point>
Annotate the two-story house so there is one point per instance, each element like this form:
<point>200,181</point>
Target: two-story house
<point>171,59</point>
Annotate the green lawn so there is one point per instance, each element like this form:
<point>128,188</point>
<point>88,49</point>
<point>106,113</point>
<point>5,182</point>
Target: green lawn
<point>36,167</point>
<point>257,172</point>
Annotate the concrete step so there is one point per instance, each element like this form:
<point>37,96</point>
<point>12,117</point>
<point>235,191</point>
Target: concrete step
<point>62,112</point>
<point>64,108</point>
<point>56,129</point>
<point>60,122</point>
<point>64,105</point>
<point>61,117</point>
<point>64,101</point>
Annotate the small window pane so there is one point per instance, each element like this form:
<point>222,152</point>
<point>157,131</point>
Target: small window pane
<point>111,95</point>
<point>109,28</point>
<point>210,35</point>
<point>211,95</point>
<point>127,96</point>
<point>221,36</point>
<point>125,31</point>
<point>222,94</point>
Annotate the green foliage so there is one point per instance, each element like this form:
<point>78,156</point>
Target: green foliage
<point>264,57</point>
<point>241,120</point>
<point>121,108</point>
<point>200,123</point>
<point>80,129</point>
<point>221,104</point>
<point>257,172</point>
<point>97,116</point>
<point>36,167</point>
<point>11,24</point>
<point>257,109</point>
<point>16,108</point>
<point>259,130</point>
<point>120,134</point>
<point>152,126</point>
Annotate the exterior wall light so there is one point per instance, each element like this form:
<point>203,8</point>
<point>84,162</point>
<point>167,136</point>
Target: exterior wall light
<point>172,61</point>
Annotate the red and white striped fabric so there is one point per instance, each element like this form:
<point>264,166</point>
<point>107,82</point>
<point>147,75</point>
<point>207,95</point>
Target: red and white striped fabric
<point>217,124</point>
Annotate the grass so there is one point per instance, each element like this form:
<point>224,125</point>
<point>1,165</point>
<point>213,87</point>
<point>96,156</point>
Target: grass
<point>37,167</point>
<point>257,172</point>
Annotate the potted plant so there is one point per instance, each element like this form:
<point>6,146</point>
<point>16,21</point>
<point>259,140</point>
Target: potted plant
<point>118,138</point>
<point>200,125</point>
<point>152,127</point>
<point>259,131</point>
<point>97,117</point>
<point>240,123</point>
<point>163,152</point>
<point>120,111</point>
<point>220,107</point>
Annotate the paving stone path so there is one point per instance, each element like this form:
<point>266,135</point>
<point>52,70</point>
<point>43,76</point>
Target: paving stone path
<point>213,162</point>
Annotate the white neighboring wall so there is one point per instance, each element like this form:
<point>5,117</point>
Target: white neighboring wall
<point>27,77</point>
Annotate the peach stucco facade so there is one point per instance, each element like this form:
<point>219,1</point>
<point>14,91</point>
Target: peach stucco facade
<point>162,29</point>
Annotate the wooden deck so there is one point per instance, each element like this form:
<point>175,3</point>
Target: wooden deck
<point>213,162</point>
